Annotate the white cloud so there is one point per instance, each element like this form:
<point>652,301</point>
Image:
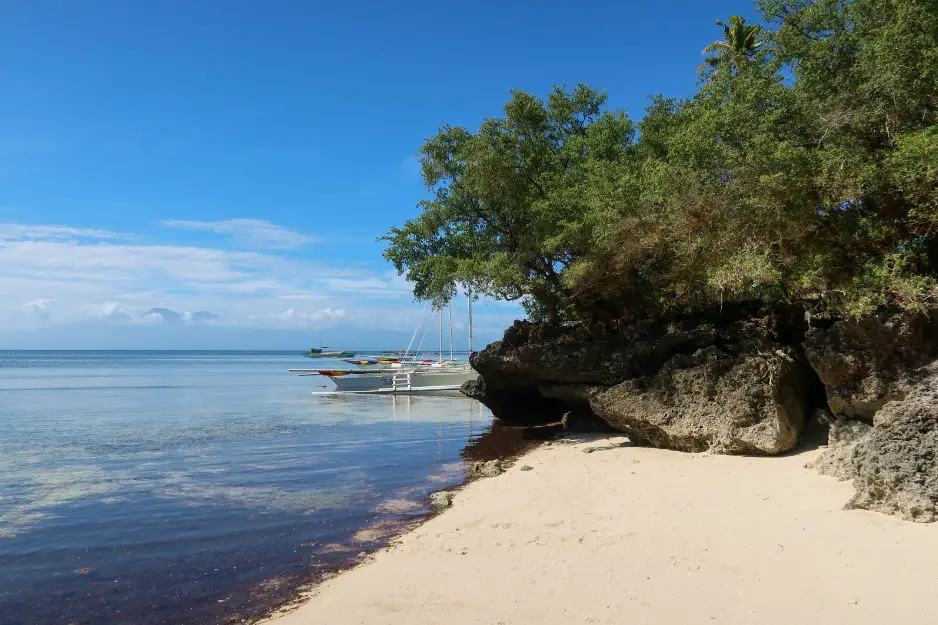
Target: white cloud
<point>39,307</point>
<point>109,311</point>
<point>323,316</point>
<point>120,281</point>
<point>256,233</point>
<point>15,232</point>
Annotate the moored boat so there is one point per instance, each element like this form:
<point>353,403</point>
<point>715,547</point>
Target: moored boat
<point>323,352</point>
<point>437,377</point>
<point>406,374</point>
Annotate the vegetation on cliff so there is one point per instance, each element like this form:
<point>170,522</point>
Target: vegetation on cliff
<point>804,169</point>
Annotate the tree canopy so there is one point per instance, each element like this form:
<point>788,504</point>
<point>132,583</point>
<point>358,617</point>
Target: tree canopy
<point>806,172</point>
<point>739,44</point>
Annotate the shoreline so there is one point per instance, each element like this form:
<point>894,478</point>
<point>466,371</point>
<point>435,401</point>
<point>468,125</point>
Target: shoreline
<point>636,534</point>
<point>286,592</point>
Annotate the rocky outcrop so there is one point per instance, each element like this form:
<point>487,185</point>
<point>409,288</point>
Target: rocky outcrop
<point>843,438</point>
<point>895,468</point>
<point>604,354</point>
<point>743,381</point>
<point>714,400</point>
<point>725,381</point>
<point>524,405</point>
<point>491,468</point>
<point>441,500</point>
<point>864,363</point>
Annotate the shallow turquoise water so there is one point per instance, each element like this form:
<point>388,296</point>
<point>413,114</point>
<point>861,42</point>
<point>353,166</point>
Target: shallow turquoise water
<point>178,487</point>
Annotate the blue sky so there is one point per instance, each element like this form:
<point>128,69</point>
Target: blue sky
<point>231,163</point>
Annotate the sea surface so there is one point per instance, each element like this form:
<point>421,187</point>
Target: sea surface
<point>202,487</point>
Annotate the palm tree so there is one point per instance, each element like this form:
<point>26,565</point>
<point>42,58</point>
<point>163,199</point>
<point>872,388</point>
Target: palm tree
<point>740,42</point>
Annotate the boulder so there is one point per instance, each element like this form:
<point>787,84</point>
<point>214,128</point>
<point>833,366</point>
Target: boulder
<point>895,467</point>
<point>441,500</point>
<point>864,363</point>
<point>488,469</point>
<point>714,400</point>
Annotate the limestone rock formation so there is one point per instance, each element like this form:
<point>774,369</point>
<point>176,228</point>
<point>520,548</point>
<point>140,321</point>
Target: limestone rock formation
<point>843,438</point>
<point>867,362</point>
<point>714,400</point>
<point>895,468</point>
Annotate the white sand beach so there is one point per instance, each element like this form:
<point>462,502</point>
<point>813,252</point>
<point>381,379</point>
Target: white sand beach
<point>639,536</point>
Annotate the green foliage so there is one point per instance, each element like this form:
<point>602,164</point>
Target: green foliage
<point>739,44</point>
<point>804,168</point>
<point>507,217</point>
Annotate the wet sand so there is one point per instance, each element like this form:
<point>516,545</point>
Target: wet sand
<point>637,535</point>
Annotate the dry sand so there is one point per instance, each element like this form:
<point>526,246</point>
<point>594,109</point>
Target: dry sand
<point>632,535</point>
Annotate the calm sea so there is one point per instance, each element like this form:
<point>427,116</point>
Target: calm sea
<point>200,487</point>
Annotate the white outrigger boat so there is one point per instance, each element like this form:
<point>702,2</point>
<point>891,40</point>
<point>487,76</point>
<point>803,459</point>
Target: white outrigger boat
<point>403,376</point>
<point>403,379</point>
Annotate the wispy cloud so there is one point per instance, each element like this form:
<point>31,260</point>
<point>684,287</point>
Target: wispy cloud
<point>315,317</point>
<point>19,232</point>
<point>62,274</point>
<point>256,233</point>
<point>110,311</point>
<point>39,307</point>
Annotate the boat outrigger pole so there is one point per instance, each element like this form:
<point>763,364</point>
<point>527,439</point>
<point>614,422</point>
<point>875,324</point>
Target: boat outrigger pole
<point>469,293</point>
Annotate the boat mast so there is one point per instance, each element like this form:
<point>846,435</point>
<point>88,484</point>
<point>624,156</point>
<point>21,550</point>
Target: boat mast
<point>451,331</point>
<point>469,293</point>
<point>441,334</point>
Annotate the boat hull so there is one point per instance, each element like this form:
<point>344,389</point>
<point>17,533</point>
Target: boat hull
<point>426,381</point>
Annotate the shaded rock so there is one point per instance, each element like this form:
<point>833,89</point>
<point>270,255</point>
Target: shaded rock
<point>488,469</point>
<point>895,467</point>
<point>604,354</point>
<point>523,405</point>
<point>837,459</point>
<point>540,372</point>
<point>526,467</point>
<point>867,362</point>
<point>583,421</point>
<point>714,400</point>
<point>441,499</point>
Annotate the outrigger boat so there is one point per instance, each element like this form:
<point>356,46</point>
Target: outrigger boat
<point>321,352</point>
<point>437,377</point>
<point>392,374</point>
<point>388,361</point>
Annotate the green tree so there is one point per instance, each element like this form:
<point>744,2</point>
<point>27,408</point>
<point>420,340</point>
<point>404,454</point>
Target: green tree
<point>803,170</point>
<point>505,217</point>
<point>740,43</point>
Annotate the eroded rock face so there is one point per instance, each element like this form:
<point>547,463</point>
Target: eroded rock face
<point>893,463</point>
<point>837,459</point>
<point>532,354</point>
<point>714,400</point>
<point>523,405</point>
<point>895,468</point>
<point>867,362</point>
